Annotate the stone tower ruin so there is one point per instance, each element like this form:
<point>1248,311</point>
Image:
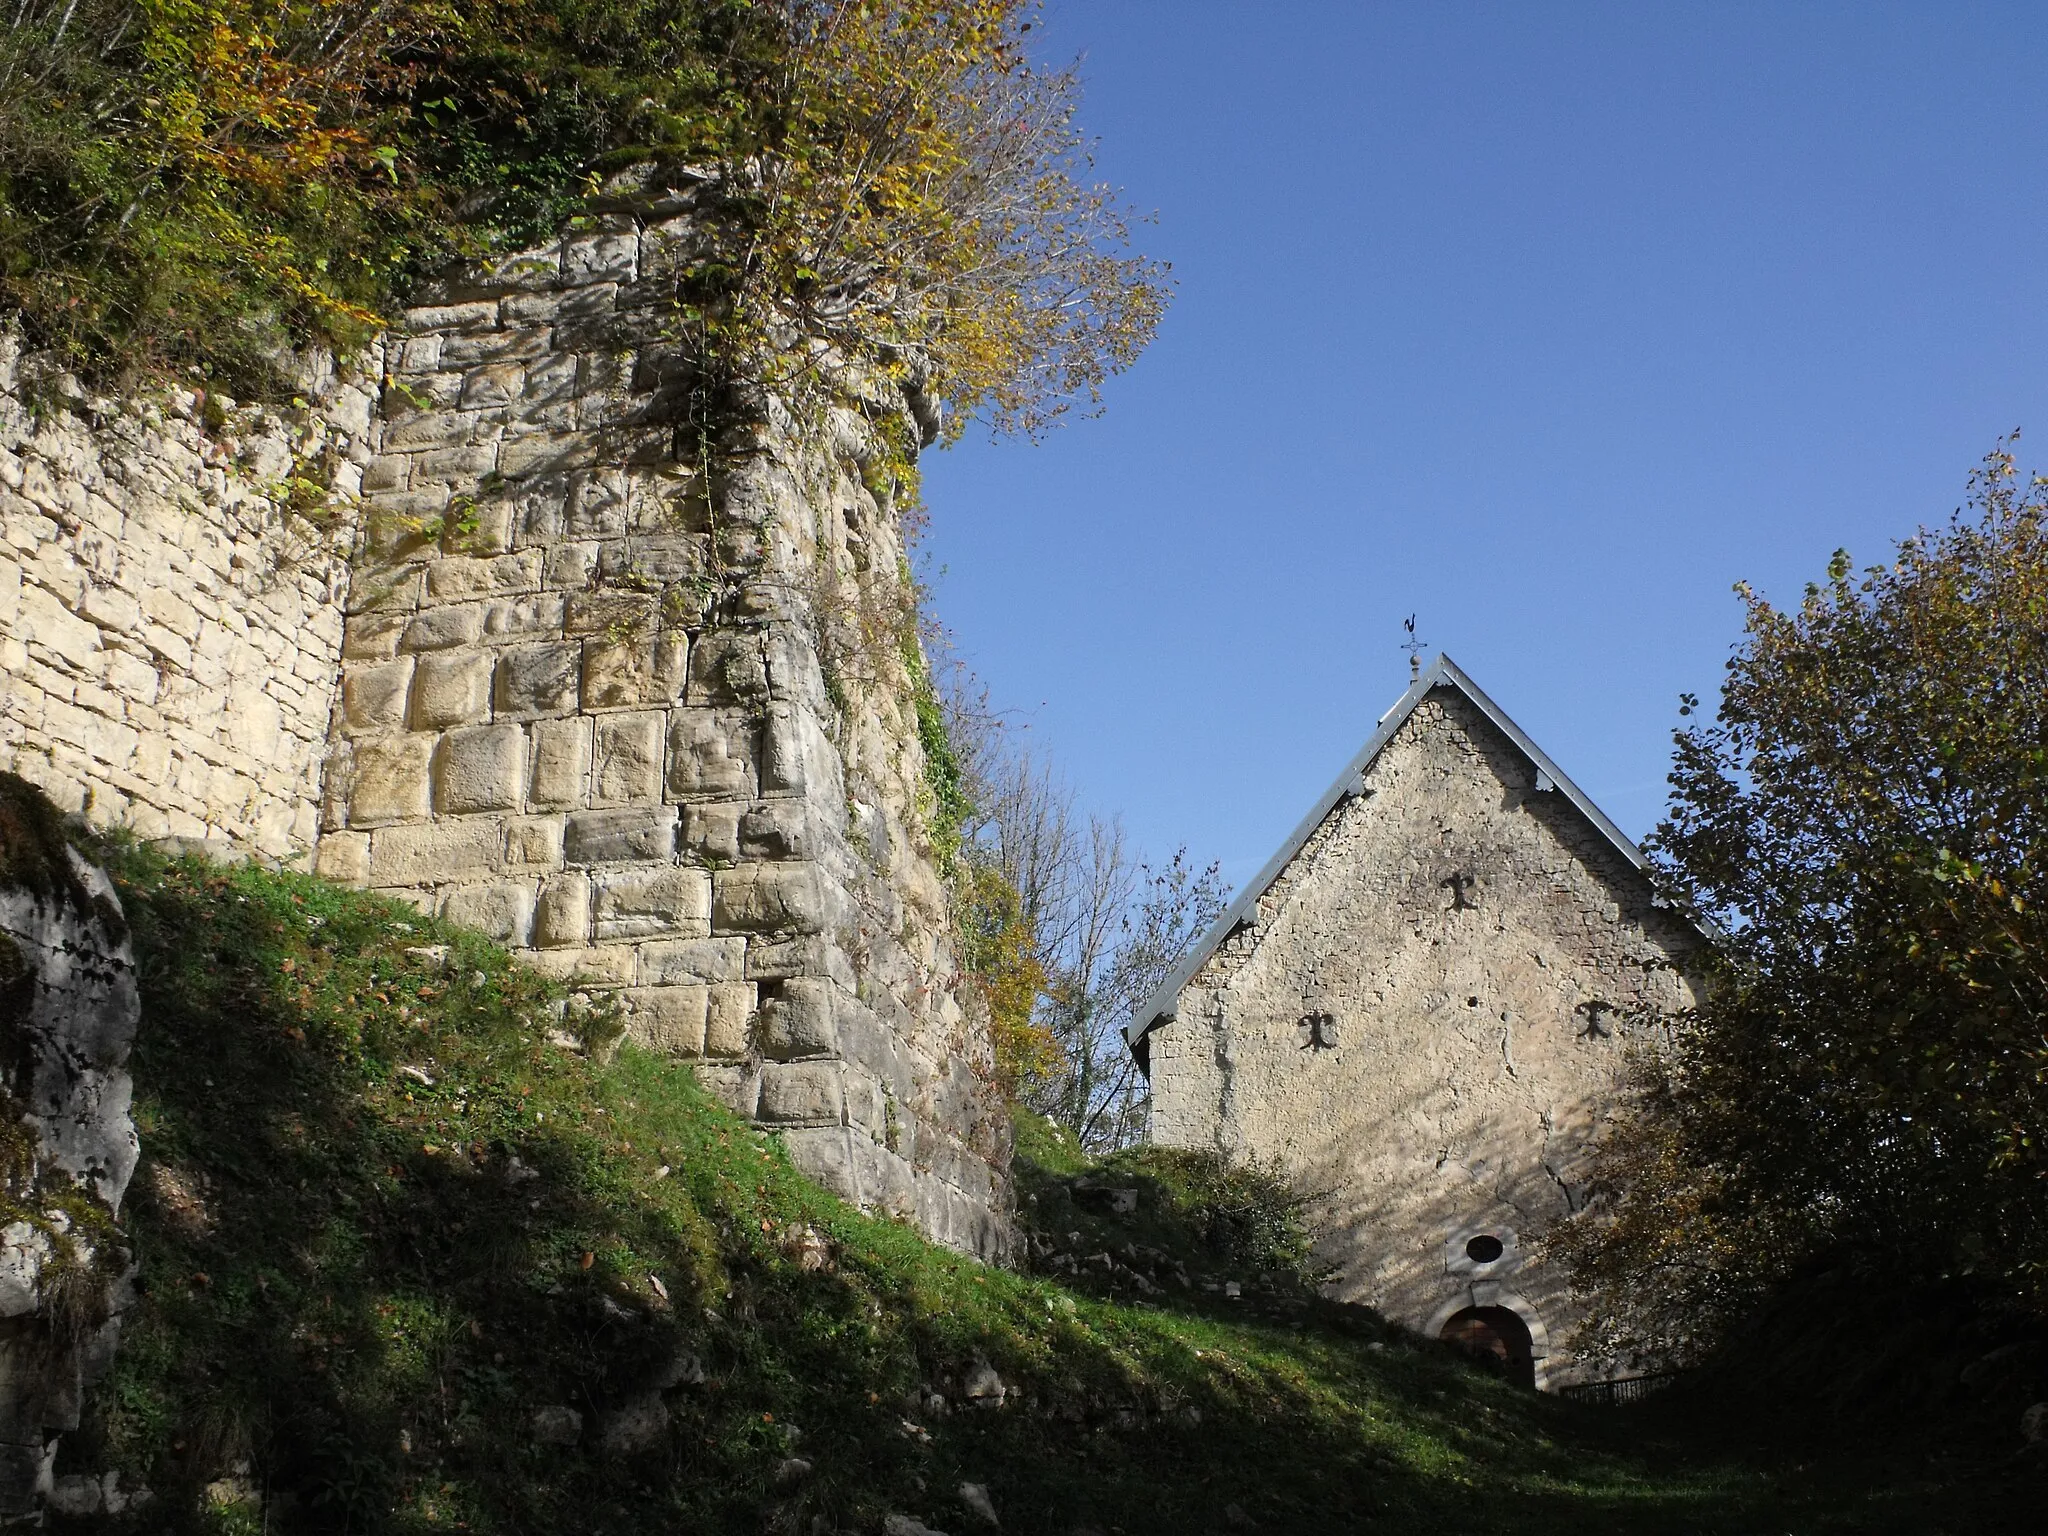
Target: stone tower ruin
<point>490,623</point>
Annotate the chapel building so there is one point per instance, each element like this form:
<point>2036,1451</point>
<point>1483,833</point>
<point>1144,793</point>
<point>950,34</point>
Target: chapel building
<point>1421,1009</point>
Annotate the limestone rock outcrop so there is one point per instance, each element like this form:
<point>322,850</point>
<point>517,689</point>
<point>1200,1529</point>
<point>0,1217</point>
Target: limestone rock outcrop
<point>68,1013</point>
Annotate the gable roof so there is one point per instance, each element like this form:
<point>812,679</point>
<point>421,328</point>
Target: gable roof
<point>1163,1005</point>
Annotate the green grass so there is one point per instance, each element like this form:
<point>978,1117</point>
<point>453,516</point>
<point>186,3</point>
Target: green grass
<point>355,1296</point>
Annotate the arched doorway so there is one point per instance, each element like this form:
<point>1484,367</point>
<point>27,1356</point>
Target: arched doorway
<point>1497,1335</point>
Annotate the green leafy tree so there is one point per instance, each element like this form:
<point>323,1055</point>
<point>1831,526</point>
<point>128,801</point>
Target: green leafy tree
<point>1866,819</point>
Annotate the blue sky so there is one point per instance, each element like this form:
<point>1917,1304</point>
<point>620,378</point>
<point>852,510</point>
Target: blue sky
<point>1545,322</point>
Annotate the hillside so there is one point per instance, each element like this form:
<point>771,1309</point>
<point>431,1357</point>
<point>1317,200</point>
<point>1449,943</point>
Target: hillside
<point>414,1258</point>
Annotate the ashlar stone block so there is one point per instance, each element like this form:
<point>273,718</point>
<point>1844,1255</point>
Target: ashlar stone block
<point>692,960</point>
<point>539,679</point>
<point>780,829</point>
<point>802,1092</point>
<point>796,897</point>
<point>669,1019</point>
<point>606,965</point>
<point>561,763</point>
<point>451,690</point>
<point>482,768</point>
<point>798,1020</point>
<point>534,842</point>
<point>436,851</point>
<point>729,1019</point>
<point>470,576</point>
<point>343,857</point>
<point>826,1154</point>
<point>712,832</point>
<point>561,916</point>
<point>388,777</point>
<point>643,903</point>
<point>616,837</point>
<point>373,696</point>
<point>440,629</point>
<point>711,754</point>
<point>627,759</point>
<point>501,911</point>
<point>618,673</point>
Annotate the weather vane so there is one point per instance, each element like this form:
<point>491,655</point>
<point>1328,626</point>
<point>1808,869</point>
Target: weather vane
<point>1414,648</point>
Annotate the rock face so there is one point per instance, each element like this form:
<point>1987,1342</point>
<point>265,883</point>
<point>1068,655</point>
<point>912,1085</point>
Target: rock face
<point>68,1010</point>
<point>1422,1013</point>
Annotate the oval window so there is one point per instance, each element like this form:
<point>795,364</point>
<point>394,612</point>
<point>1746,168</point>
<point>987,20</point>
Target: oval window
<point>1484,1250</point>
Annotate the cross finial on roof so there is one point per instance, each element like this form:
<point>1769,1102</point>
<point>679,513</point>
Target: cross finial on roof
<point>1414,648</point>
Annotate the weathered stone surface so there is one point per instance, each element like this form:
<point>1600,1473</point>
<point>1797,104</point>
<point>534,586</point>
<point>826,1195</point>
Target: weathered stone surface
<point>481,768</point>
<point>561,763</point>
<point>451,690</point>
<point>711,754</point>
<point>1406,1024</point>
<point>373,696</point>
<point>801,1092</point>
<point>539,680</point>
<point>773,898</point>
<point>627,759</point>
<point>170,633</point>
<point>387,778</point>
<point>503,911</point>
<point>798,1019</point>
<point>693,960</point>
<point>669,1019</point>
<point>729,1019</point>
<point>602,837</point>
<point>68,1012</point>
<point>644,903</point>
<point>562,914</point>
<point>440,850</point>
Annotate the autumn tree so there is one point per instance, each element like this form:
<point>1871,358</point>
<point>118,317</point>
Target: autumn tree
<point>1048,891</point>
<point>1865,818</point>
<point>894,186</point>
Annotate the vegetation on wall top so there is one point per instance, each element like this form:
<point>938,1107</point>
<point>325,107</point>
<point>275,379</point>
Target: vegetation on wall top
<point>207,182</point>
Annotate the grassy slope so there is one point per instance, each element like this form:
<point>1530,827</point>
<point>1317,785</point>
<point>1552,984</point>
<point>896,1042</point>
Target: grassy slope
<point>351,1286</point>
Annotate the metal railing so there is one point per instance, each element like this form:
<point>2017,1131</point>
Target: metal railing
<point>1622,1389</point>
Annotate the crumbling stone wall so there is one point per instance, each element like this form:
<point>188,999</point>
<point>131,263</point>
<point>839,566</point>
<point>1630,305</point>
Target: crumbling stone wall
<point>638,705</point>
<point>170,626</point>
<point>1427,1021</point>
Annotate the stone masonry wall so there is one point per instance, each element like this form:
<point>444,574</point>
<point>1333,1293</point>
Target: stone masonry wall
<point>1487,959</point>
<point>169,629</point>
<point>643,712</point>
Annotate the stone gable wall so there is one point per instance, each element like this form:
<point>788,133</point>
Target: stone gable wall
<point>1487,959</point>
<point>169,629</point>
